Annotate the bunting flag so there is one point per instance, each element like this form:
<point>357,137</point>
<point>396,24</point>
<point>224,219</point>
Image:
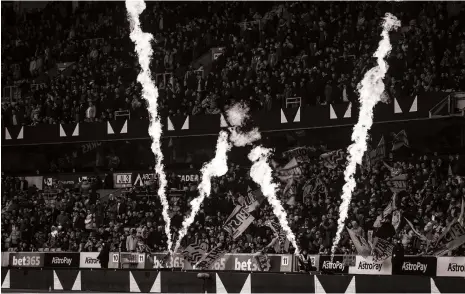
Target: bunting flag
<point>382,249</point>
<point>400,140</point>
<point>207,261</point>
<point>360,243</point>
<point>333,159</point>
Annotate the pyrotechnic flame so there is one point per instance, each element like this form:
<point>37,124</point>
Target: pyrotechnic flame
<point>371,89</point>
<point>217,167</point>
<point>150,93</point>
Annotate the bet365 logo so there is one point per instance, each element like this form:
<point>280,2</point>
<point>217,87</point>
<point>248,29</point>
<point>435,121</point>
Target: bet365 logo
<point>25,261</point>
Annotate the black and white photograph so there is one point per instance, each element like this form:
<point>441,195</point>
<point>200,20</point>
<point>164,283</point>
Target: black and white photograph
<point>233,147</point>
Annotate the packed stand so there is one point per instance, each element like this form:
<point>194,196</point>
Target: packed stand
<point>79,220</point>
<point>271,52</point>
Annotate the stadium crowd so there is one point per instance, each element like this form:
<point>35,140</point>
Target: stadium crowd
<point>75,65</point>
<point>270,52</point>
<point>79,220</point>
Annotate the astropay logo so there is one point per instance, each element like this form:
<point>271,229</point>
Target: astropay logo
<point>91,261</point>
<point>414,267</point>
<point>363,265</point>
<point>455,267</point>
<point>61,261</point>
<point>336,265</point>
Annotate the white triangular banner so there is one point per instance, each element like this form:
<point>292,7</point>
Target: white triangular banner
<point>7,134</point>
<point>170,125</point>
<point>283,117</point>
<point>414,107</point>
<point>62,131</point>
<point>318,287</point>
<point>21,133</point>
<point>397,108</point>
<point>223,123</point>
<point>124,130</point>
<point>247,288</point>
<point>434,288</point>
<point>220,288</point>
<point>297,116</point>
<point>348,111</point>
<point>77,283</point>
<point>109,129</point>
<point>332,113</point>
<point>6,281</point>
<point>56,282</point>
<point>185,126</point>
<point>156,288</point>
<point>133,287</point>
<point>76,130</point>
<point>351,288</point>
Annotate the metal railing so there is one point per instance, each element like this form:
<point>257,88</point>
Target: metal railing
<point>293,102</point>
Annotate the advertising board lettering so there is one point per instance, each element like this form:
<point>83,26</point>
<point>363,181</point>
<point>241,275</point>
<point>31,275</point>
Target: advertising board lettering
<point>89,260</point>
<point>369,267</point>
<point>122,180</point>
<point>451,266</point>
<point>53,259</point>
<point>336,265</point>
<point>26,259</point>
<point>423,266</point>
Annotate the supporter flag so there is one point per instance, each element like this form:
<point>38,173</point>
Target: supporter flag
<point>452,238</point>
<point>400,140</point>
<point>253,200</point>
<point>382,249</point>
<point>194,252</point>
<point>461,216</point>
<point>314,186</point>
<point>379,153</point>
<point>391,206</point>
<point>207,261</point>
<point>333,158</point>
<point>398,183</point>
<point>301,154</point>
<point>396,219</point>
<point>283,243</point>
<point>263,261</point>
<point>360,243</point>
<point>418,234</point>
<point>239,220</point>
<point>290,170</point>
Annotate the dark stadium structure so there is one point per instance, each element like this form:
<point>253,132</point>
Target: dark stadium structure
<point>79,190</point>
